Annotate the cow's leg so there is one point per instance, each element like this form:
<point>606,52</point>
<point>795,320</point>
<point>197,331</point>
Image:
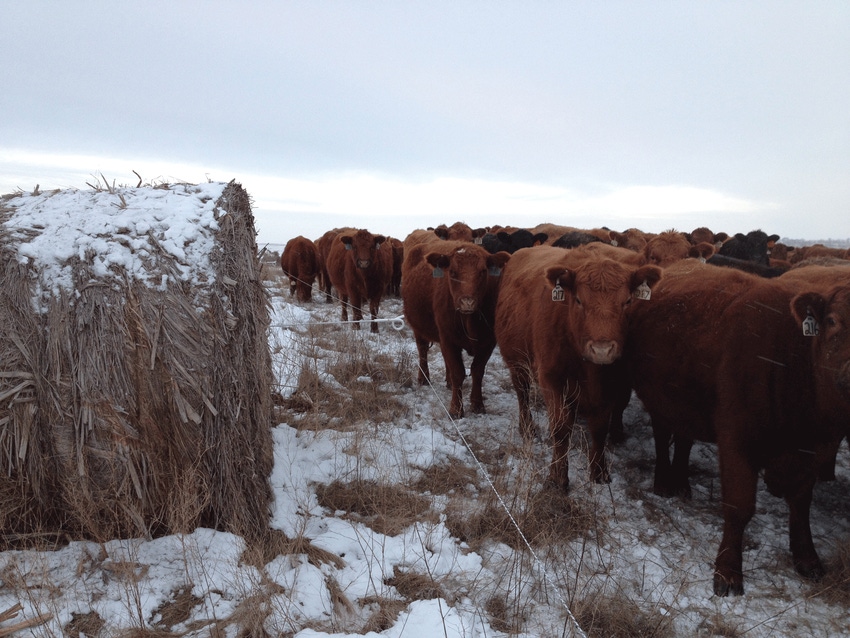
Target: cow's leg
<point>293,283</point>
<point>422,347</point>
<point>374,306</point>
<point>521,379</point>
<point>597,425</point>
<point>476,397</point>
<point>356,310</point>
<point>343,298</point>
<point>679,470</point>
<point>616,431</point>
<point>738,482</point>
<point>456,373</point>
<point>805,557</point>
<point>561,418</point>
<point>662,435</point>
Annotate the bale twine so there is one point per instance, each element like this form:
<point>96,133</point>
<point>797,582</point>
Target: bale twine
<point>134,389</point>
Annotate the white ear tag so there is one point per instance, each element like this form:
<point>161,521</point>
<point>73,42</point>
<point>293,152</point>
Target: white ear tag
<point>810,327</point>
<point>494,271</point>
<point>614,243</point>
<point>558,293</point>
<point>643,291</point>
<point>437,273</point>
<point>702,260</point>
<point>348,246</point>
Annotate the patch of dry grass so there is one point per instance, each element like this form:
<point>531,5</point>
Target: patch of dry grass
<point>388,509</point>
<point>548,517</point>
<point>618,616</point>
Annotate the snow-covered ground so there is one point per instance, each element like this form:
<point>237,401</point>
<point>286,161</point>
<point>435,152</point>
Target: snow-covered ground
<point>650,556</point>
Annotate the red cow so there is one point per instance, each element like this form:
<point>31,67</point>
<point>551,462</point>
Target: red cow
<point>324,244</point>
<point>456,232</point>
<point>671,246</point>
<point>720,355</point>
<point>631,238</point>
<point>398,259</point>
<point>449,290</point>
<point>301,262</point>
<point>561,320</point>
<point>360,268</point>
<point>459,231</point>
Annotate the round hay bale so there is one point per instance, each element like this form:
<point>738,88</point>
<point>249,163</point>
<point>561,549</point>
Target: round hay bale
<point>135,372</point>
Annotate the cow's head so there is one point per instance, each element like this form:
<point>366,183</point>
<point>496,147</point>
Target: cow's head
<point>362,243</point>
<point>597,293</point>
<point>671,246</point>
<point>466,271</point>
<point>826,319</point>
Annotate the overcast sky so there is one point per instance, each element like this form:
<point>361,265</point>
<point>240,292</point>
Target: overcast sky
<point>398,115</point>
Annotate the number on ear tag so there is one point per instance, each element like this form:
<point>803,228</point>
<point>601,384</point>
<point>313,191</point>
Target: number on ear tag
<point>558,293</point>
<point>810,327</point>
<point>494,271</point>
<point>437,273</point>
<point>643,291</point>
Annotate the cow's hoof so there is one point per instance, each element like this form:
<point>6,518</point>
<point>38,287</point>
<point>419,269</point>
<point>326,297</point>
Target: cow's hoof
<point>725,587</point>
<point>811,569</point>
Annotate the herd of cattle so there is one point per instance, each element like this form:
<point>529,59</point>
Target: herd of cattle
<point>740,341</point>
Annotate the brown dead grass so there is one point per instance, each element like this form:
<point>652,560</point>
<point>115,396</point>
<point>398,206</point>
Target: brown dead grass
<point>548,517</point>
<point>618,616</point>
<point>89,624</point>
<point>835,586</point>
<point>275,543</point>
<point>388,509</point>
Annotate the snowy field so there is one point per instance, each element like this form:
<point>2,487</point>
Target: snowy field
<point>634,558</point>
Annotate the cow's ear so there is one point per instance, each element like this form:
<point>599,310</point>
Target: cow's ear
<point>741,236</point>
<point>442,232</point>
<point>437,260</point>
<point>346,239</point>
<point>721,237</point>
<point>540,239</point>
<point>702,250</point>
<point>808,304</point>
<point>773,238</point>
<point>617,238</point>
<point>645,274</point>
<point>478,233</point>
<point>560,276</point>
<point>379,239</point>
<point>497,261</point>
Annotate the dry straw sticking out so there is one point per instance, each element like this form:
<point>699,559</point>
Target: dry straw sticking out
<point>128,409</point>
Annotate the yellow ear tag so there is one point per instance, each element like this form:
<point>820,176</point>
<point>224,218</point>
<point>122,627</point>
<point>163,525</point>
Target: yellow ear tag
<point>810,327</point>
<point>643,291</point>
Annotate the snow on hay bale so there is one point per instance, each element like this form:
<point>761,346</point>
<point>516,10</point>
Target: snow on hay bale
<point>134,365</point>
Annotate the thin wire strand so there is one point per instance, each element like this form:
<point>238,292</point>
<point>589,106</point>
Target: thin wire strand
<point>398,323</point>
<point>538,563</point>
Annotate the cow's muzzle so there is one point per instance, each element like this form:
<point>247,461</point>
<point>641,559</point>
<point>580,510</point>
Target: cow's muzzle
<point>467,305</point>
<point>364,263</point>
<point>602,352</point>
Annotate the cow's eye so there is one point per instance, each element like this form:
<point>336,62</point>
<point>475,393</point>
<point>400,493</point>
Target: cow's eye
<point>628,301</point>
<point>578,301</point>
<point>831,321</point>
